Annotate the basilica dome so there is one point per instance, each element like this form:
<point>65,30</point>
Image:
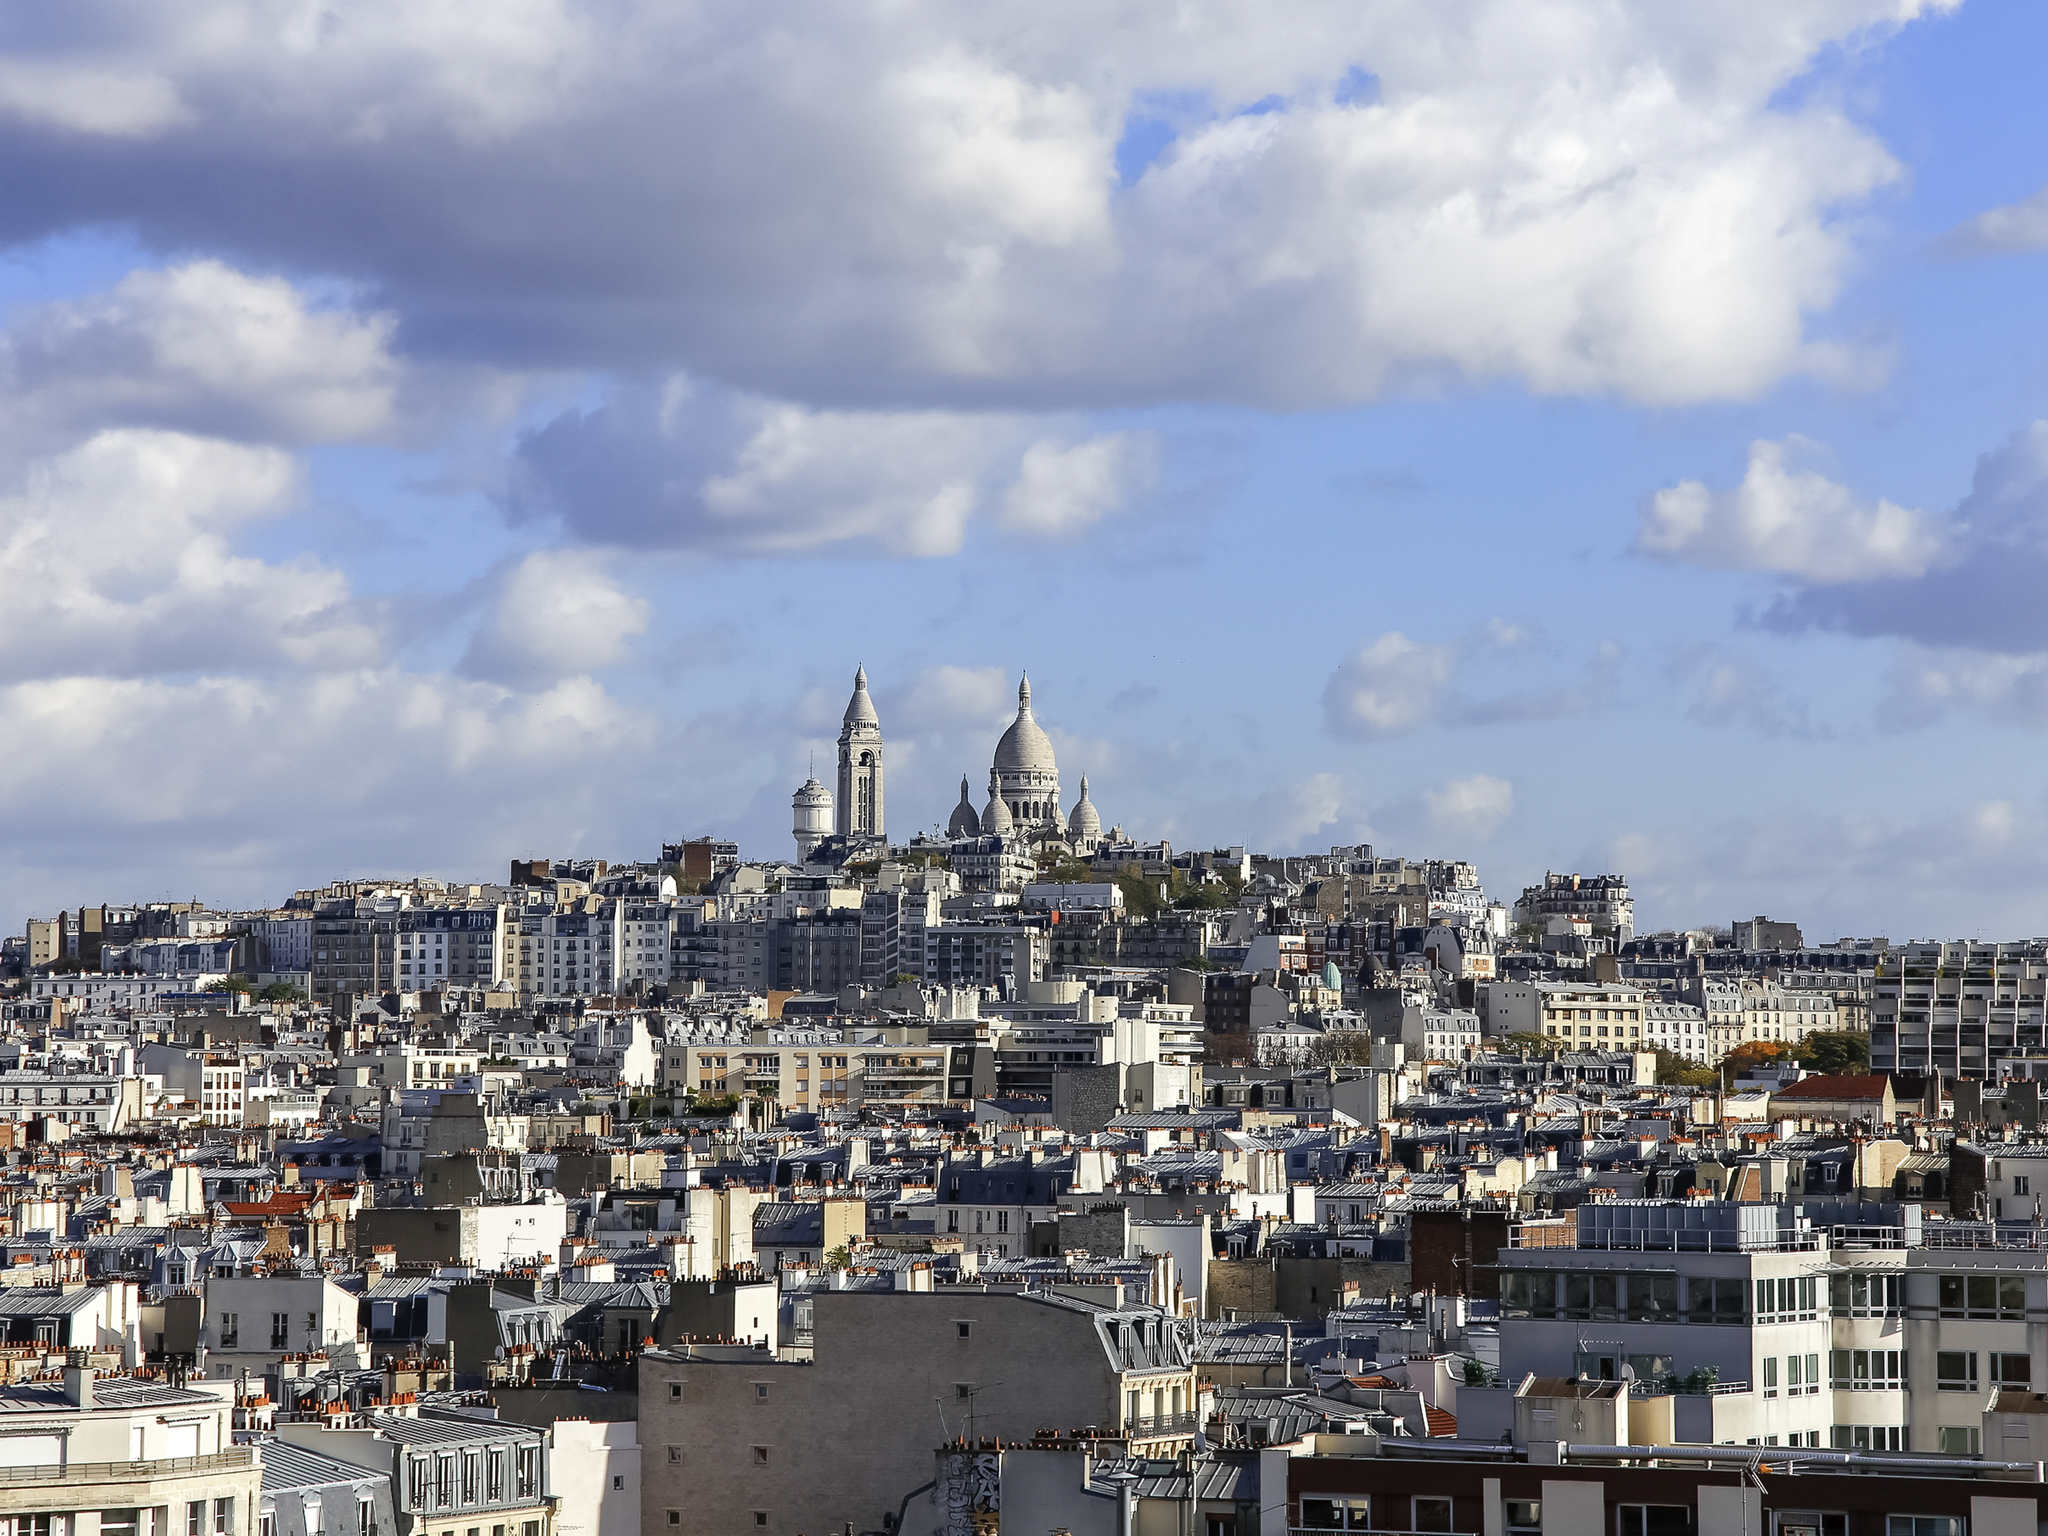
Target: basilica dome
<point>1025,748</point>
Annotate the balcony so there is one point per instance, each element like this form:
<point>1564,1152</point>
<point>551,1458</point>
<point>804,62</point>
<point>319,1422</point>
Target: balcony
<point>1159,1426</point>
<point>241,1458</point>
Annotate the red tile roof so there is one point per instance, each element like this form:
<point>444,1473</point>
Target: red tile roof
<point>1850,1085</point>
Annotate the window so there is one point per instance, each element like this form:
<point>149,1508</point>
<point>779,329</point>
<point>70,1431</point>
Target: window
<point>230,1330</point>
<point>675,1517</point>
<point>472,1477</point>
<point>964,1329</point>
<point>1654,1520</point>
<point>675,1455</point>
<point>1924,1525</point>
<point>2012,1370</point>
<point>2002,1296</point>
<point>280,1330</point>
<point>366,1517</point>
<point>1432,1512</point>
<point>1955,1370</point>
<point>1524,1517</point>
<point>760,1517</point>
<point>760,1455</point>
<point>416,1482</point>
<point>2019,1184</point>
<point>760,1391</point>
<point>1868,1370</point>
<point>1337,1514</point>
<point>444,1479</point>
<point>1770,1374</point>
<point>223,1517</point>
<point>119,1522</point>
<point>1960,1440</point>
<point>675,1390</point>
<point>195,1518</point>
<point>618,1482</point>
<point>494,1475</point>
<point>1865,1295</point>
<point>529,1472</point>
<point>1867,1437</point>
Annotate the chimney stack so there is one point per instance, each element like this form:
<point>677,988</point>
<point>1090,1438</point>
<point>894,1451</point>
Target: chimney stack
<point>78,1378</point>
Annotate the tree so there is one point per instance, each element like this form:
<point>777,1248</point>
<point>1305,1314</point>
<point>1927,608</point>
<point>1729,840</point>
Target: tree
<point>280,992</point>
<point>1141,896</point>
<point>1677,1072</point>
<point>1755,1053</point>
<point>1834,1051</point>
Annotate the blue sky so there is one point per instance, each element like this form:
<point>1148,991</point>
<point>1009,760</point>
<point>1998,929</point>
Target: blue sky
<point>1556,434</point>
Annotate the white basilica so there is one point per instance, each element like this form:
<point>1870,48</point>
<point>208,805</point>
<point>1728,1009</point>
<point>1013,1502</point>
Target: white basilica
<point>1023,787</point>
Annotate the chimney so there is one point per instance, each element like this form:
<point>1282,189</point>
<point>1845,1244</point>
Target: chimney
<point>78,1378</point>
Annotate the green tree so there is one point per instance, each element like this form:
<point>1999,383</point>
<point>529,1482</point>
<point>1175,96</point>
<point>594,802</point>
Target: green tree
<point>280,992</point>
<point>1834,1051</point>
<point>1677,1072</point>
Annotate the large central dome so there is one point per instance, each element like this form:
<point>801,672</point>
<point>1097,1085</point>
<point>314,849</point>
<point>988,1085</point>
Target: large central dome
<point>1025,748</point>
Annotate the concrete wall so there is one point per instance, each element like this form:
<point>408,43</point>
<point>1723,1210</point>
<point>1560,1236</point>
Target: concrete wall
<point>815,1446</point>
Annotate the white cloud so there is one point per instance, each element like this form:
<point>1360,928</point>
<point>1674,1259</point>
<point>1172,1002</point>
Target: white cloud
<point>2021,226</point>
<point>98,103</point>
<point>556,613</point>
<point>242,788</point>
<point>696,464</point>
<point>204,348</point>
<point>1062,489</point>
<point>1388,685</point>
<point>950,698</point>
<point>116,559</point>
<point>920,203</point>
<point>1472,808</point>
<point>1791,522</point>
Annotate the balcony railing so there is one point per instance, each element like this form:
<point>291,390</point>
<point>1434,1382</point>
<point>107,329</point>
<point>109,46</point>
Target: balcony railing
<point>1153,1425</point>
<point>120,1471</point>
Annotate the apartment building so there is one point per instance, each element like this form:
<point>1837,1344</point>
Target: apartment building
<point>1592,1015</point>
<point>446,1474</point>
<point>109,1455</point>
<point>735,1440</point>
<point>1603,901</point>
<point>1748,1010</point>
<point>1961,1008</point>
<point>1850,1328</point>
<point>439,947</point>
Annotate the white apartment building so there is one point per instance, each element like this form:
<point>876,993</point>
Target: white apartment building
<point>86,1101</point>
<point>1603,901</point>
<point>99,1455</point>
<point>1680,1028</point>
<point>1589,1015</point>
<point>1747,1010</point>
<point>1765,1329</point>
<point>223,1091</point>
<point>439,947</point>
<point>1960,1008</point>
<point>1439,1034</point>
<point>568,953</point>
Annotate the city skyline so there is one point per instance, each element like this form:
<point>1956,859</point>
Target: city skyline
<point>420,451</point>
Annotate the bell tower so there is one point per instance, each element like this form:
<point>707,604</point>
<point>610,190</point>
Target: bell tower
<point>859,802</point>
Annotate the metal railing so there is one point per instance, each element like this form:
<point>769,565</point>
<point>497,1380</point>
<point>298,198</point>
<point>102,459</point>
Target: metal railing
<point>121,1471</point>
<point>1148,1425</point>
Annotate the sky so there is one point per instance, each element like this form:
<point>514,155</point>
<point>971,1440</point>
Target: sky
<point>1561,434</point>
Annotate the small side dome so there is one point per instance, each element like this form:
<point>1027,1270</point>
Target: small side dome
<point>1084,820</point>
<point>996,820</point>
<point>965,822</point>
